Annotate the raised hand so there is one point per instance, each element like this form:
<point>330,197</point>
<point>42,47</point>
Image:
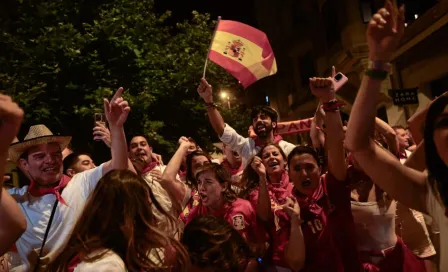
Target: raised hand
<point>117,109</point>
<point>384,32</point>
<point>323,88</point>
<point>183,141</point>
<point>101,132</point>
<point>11,116</point>
<point>258,166</point>
<point>205,91</point>
<point>292,208</point>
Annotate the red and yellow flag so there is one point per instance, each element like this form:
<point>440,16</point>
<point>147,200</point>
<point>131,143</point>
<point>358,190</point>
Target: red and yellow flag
<point>243,51</point>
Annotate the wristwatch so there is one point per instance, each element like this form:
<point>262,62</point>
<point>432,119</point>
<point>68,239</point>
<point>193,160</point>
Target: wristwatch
<point>379,66</point>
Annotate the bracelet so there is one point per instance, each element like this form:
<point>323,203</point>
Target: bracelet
<point>332,106</point>
<point>211,105</point>
<point>377,74</point>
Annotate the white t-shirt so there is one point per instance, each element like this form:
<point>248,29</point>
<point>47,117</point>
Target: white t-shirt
<point>246,146</point>
<point>109,262</point>
<point>164,199</point>
<point>37,211</point>
<point>437,211</point>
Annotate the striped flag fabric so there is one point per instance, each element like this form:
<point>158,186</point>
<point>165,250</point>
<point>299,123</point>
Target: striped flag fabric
<point>243,51</point>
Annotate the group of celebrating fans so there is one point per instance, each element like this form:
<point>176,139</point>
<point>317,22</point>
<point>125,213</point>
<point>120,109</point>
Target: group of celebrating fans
<point>358,198</point>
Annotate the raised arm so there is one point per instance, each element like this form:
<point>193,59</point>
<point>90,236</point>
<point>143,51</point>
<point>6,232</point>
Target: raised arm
<point>295,250</point>
<point>263,207</point>
<point>389,134</point>
<point>116,112</point>
<point>13,222</point>
<point>169,182</point>
<point>316,134</point>
<point>205,91</point>
<point>402,183</point>
<point>323,88</point>
<point>225,133</point>
<point>417,121</point>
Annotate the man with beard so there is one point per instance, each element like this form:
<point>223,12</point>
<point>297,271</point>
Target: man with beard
<point>264,121</point>
<point>53,201</point>
<point>142,157</point>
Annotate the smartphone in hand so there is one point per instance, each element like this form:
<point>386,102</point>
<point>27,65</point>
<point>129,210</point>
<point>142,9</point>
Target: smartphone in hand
<point>99,118</point>
<point>339,80</point>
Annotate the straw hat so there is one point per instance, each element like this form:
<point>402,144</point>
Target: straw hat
<point>38,134</point>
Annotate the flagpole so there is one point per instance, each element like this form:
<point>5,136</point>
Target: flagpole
<point>210,47</point>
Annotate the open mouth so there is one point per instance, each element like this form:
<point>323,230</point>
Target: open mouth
<point>306,183</point>
<point>260,127</point>
<point>51,170</point>
<point>273,164</point>
<point>235,154</point>
<point>202,196</point>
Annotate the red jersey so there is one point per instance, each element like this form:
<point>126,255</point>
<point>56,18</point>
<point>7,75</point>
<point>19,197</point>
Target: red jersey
<point>328,229</point>
<point>238,213</point>
<point>279,228</point>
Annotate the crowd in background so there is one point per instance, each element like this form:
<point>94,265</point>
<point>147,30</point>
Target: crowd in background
<point>364,196</point>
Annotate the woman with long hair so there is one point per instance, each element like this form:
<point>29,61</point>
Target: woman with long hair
<point>117,231</point>
<point>424,192</point>
<point>215,245</point>
<point>216,197</point>
<point>184,196</point>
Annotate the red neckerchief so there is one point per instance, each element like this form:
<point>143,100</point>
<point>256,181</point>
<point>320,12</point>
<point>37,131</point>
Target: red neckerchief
<point>233,171</point>
<point>260,143</point>
<point>310,202</point>
<point>182,174</point>
<point>74,262</point>
<point>149,167</point>
<point>403,155</point>
<point>37,191</point>
<point>280,190</point>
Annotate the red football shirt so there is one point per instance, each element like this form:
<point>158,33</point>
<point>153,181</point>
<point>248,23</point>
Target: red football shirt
<point>279,228</point>
<point>328,228</point>
<point>240,214</point>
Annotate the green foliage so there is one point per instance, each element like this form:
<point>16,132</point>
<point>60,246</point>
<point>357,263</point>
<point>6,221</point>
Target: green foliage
<point>60,58</point>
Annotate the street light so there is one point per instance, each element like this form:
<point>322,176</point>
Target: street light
<point>224,95</point>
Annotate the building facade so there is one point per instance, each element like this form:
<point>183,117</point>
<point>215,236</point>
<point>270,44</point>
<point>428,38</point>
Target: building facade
<point>308,37</point>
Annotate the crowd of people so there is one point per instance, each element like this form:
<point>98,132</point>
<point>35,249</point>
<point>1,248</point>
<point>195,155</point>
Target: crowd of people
<point>361,197</point>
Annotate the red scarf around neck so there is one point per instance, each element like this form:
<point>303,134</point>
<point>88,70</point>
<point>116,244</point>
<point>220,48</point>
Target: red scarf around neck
<point>283,189</point>
<point>233,171</point>
<point>261,143</point>
<point>149,167</point>
<point>38,191</point>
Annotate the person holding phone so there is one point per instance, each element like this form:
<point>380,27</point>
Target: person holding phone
<point>51,192</point>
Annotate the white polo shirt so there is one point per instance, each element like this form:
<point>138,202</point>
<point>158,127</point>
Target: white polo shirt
<point>37,211</point>
<point>246,146</point>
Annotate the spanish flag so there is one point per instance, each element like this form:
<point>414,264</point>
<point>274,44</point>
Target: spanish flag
<point>243,51</point>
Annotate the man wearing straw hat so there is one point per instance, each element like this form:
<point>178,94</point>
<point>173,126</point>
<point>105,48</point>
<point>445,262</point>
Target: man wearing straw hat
<point>53,202</point>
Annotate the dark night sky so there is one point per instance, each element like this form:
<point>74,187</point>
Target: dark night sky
<point>241,10</point>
